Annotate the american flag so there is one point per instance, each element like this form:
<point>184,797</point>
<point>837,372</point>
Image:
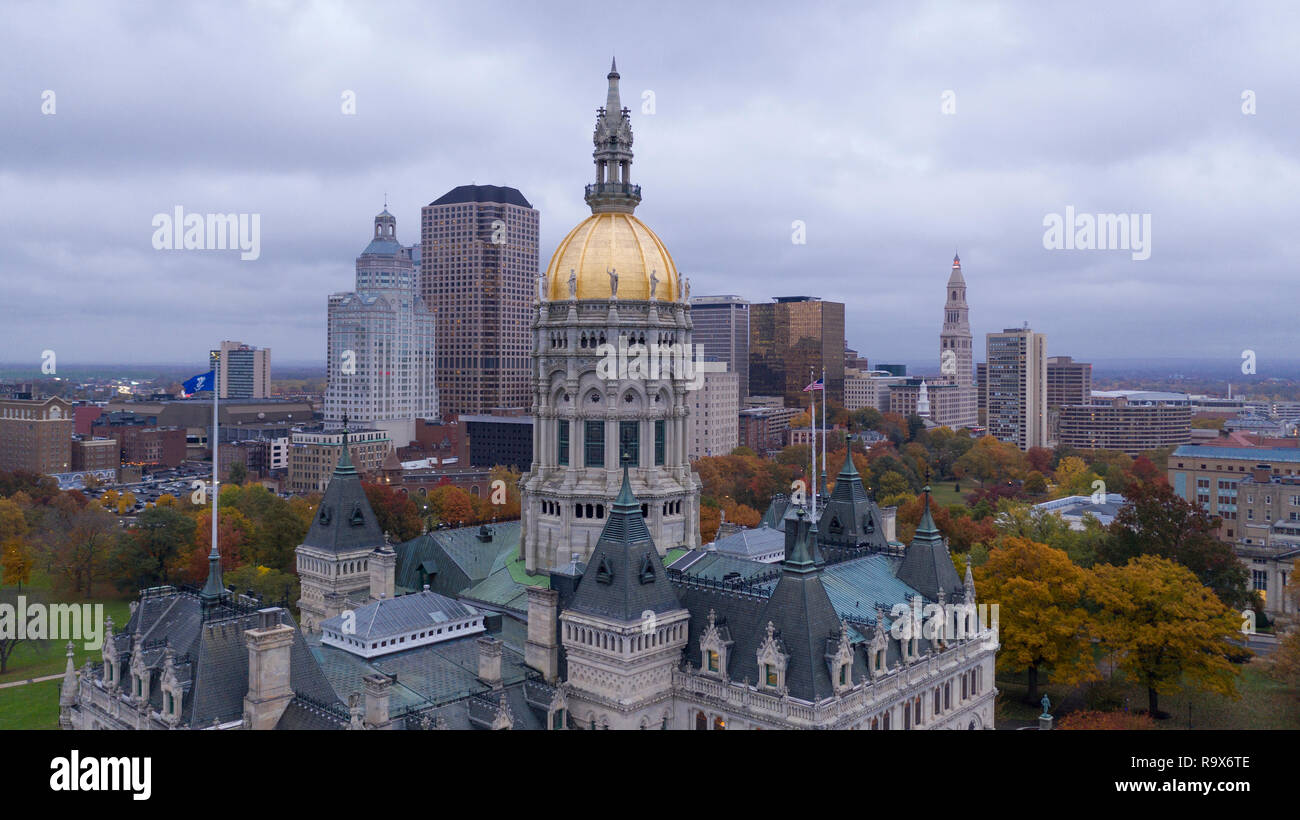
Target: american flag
<point>817,385</point>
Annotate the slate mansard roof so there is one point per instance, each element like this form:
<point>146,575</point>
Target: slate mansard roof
<point>209,654</point>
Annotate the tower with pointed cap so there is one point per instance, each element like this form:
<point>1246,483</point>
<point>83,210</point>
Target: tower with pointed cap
<point>927,565</point>
<point>956,354</point>
<point>624,629</point>
<point>851,522</point>
<point>611,342</point>
<point>334,557</point>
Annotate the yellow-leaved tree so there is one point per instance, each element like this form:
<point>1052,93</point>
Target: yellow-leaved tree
<point>1167,628</point>
<point>1042,619</point>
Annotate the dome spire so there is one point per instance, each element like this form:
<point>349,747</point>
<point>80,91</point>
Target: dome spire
<point>613,191</point>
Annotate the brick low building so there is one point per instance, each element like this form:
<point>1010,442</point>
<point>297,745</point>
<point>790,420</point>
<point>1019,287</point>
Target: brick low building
<point>90,454</point>
<point>141,440</point>
<point>36,435</point>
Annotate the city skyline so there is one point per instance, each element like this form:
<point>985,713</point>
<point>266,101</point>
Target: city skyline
<point>265,135</point>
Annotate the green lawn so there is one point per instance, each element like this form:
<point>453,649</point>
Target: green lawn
<point>1263,703</point>
<point>35,660</point>
<point>36,705</point>
<point>33,706</point>
<point>943,493</point>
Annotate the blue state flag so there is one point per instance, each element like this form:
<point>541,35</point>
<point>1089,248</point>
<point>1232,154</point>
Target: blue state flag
<point>203,381</point>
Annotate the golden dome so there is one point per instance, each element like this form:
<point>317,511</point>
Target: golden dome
<point>612,240</point>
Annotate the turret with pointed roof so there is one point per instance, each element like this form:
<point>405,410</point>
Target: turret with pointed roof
<point>625,576</point>
<point>851,518</point>
<point>927,566</point>
<point>344,521</point>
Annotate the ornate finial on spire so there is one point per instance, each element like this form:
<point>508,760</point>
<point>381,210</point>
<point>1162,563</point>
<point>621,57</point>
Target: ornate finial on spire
<point>613,191</point>
<point>613,66</point>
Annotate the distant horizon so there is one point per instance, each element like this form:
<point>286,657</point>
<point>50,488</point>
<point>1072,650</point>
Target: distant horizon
<point>1223,368</point>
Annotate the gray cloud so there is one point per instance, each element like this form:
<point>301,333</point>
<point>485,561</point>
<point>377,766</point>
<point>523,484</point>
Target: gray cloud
<point>764,115</point>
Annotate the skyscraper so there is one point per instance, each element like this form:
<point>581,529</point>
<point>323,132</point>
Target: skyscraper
<point>243,371</point>
<point>381,343</point>
<point>722,329</point>
<point>478,269</point>
<point>1017,387</point>
<point>956,356</point>
<point>790,338</point>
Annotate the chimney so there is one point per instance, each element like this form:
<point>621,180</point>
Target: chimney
<point>541,650</point>
<point>1262,473</point>
<point>888,520</point>
<point>489,661</point>
<point>269,691</point>
<point>383,572</point>
<point>377,688</point>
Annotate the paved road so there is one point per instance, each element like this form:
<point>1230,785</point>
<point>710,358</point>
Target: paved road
<point>31,680</point>
<point>1262,644</point>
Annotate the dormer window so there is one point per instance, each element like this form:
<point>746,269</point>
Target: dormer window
<point>772,660</point>
<point>839,660</point>
<point>647,573</point>
<point>836,527</point>
<point>604,571</point>
<point>715,643</point>
<point>326,513</point>
<point>358,518</point>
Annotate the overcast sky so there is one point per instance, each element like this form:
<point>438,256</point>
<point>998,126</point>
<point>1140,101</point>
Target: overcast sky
<point>763,114</point>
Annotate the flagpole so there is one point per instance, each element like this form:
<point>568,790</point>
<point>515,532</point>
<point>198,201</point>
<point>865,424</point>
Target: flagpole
<point>823,420</point>
<point>812,412</point>
<point>216,447</point>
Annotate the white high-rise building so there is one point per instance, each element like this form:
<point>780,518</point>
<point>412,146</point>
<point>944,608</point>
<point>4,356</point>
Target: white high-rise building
<point>380,349</point>
<point>242,371</point>
<point>713,427</point>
